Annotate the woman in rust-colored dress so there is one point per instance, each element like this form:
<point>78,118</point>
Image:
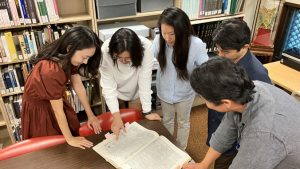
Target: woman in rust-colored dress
<point>45,109</point>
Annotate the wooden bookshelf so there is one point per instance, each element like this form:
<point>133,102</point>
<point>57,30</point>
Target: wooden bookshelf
<point>138,15</point>
<point>70,11</point>
<point>2,121</point>
<point>62,19</point>
<point>213,19</point>
<point>9,63</point>
<point>11,94</point>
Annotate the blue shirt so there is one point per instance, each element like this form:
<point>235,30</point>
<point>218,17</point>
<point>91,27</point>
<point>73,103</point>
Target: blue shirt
<point>255,71</point>
<point>170,88</point>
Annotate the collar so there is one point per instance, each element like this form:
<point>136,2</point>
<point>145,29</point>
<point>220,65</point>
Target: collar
<point>244,61</point>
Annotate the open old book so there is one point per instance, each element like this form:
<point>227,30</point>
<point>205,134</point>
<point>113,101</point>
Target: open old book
<point>141,148</point>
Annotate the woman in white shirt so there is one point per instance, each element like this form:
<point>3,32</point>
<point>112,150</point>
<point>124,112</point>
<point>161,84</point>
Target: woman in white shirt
<point>178,51</point>
<point>126,73</point>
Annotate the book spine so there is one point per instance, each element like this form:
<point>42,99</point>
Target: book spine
<point>27,45</point>
<point>29,21</point>
<point>18,9</point>
<point>32,10</point>
<point>36,36</point>
<point>21,10</point>
<point>34,42</point>
<point>22,5</point>
<point>11,46</point>
<point>8,82</point>
<point>11,119</point>
<point>18,47</point>
<point>2,85</point>
<point>14,12</point>
<point>20,78</point>
<point>23,46</point>
<point>9,13</point>
<point>46,11</point>
<point>13,81</point>
<point>4,42</point>
<point>56,11</point>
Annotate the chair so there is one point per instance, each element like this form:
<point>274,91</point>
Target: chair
<point>30,145</point>
<point>106,119</point>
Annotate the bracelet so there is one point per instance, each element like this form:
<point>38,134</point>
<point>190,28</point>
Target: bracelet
<point>145,114</point>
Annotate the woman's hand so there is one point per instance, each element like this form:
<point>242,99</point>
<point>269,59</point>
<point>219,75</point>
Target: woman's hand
<point>94,124</point>
<point>153,116</point>
<point>80,142</point>
<point>117,124</point>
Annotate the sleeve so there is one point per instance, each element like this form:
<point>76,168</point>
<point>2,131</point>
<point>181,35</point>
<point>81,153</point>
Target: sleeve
<point>201,54</point>
<point>108,83</point>
<point>48,81</point>
<point>259,150</point>
<point>145,77</point>
<point>74,70</point>
<point>226,134</point>
<point>156,46</point>
<point>263,77</point>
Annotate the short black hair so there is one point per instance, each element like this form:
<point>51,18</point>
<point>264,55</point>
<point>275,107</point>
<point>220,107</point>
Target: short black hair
<point>219,78</point>
<point>126,39</point>
<point>232,33</point>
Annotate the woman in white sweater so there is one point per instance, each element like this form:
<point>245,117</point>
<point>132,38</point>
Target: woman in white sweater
<point>126,73</point>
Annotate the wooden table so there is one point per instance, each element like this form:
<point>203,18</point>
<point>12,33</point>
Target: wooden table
<point>65,156</point>
<point>284,76</point>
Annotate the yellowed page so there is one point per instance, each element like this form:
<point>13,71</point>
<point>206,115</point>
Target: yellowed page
<point>159,154</point>
<point>117,152</point>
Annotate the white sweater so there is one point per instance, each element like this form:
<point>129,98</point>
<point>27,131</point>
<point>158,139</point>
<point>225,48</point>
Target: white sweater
<point>125,82</point>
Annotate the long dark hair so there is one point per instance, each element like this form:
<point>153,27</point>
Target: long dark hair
<point>78,38</point>
<point>127,40</point>
<point>183,30</point>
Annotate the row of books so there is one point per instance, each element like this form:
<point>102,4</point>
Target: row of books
<point>201,8</point>
<point>22,45</point>
<point>204,32</point>
<point>14,77</point>
<point>76,104</point>
<point>25,12</point>
<point>13,108</point>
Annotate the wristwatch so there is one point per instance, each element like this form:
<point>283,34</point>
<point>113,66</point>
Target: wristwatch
<point>145,114</point>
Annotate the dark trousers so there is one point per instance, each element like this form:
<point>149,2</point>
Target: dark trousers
<point>224,161</point>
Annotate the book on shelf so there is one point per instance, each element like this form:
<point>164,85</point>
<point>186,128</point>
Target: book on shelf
<point>141,148</point>
<point>200,8</point>
<point>25,12</point>
<point>21,45</point>
<point>76,104</point>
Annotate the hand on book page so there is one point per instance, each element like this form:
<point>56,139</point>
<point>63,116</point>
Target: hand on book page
<point>117,124</point>
<point>117,152</point>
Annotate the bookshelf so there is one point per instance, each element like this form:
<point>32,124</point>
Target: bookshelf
<point>81,12</point>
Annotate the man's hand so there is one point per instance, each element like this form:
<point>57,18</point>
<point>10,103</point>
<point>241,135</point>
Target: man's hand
<point>193,166</point>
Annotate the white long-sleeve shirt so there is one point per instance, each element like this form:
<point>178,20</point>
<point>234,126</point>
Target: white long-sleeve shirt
<point>125,82</point>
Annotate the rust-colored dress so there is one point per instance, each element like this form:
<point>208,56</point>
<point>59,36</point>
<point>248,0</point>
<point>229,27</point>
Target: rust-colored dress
<point>47,81</point>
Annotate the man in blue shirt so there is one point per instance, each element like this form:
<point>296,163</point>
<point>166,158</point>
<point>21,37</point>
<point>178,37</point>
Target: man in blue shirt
<point>232,39</point>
